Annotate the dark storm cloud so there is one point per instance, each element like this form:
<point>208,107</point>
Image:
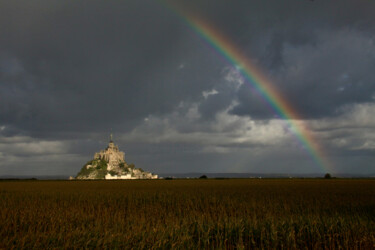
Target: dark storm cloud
<point>319,79</point>
<point>78,64</point>
<point>277,35</point>
<point>320,58</point>
<point>72,70</point>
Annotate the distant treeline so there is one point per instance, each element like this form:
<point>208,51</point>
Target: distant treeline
<point>18,179</point>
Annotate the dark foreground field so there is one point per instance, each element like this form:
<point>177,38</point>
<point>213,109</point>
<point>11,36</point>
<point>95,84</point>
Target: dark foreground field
<point>244,213</point>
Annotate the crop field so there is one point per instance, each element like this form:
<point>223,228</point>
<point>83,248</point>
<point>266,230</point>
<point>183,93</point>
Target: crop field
<point>223,214</point>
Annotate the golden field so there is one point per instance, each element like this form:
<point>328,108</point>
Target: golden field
<point>223,214</point>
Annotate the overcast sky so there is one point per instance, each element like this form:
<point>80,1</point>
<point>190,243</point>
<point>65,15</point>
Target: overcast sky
<point>72,71</point>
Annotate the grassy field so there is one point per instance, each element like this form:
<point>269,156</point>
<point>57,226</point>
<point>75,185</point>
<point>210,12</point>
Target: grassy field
<point>237,213</point>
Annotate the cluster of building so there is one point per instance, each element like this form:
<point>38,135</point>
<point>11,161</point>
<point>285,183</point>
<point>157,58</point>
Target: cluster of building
<point>116,167</point>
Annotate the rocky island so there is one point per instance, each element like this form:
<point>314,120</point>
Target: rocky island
<point>110,164</point>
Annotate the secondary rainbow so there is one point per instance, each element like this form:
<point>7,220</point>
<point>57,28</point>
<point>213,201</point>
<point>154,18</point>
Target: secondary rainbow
<point>258,82</point>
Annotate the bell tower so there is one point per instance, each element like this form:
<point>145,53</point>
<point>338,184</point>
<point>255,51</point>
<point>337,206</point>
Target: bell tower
<point>111,144</point>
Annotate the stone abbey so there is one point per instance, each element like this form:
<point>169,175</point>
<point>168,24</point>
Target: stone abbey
<point>110,164</point>
<point>112,155</point>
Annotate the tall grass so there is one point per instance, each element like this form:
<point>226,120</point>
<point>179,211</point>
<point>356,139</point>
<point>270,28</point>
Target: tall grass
<point>245,213</point>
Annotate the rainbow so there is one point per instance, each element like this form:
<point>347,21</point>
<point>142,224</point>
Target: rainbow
<point>258,82</point>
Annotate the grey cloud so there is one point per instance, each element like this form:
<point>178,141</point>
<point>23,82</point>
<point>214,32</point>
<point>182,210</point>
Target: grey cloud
<point>77,60</point>
<point>72,70</point>
<point>319,79</point>
<point>84,63</point>
<point>351,131</point>
<point>347,140</point>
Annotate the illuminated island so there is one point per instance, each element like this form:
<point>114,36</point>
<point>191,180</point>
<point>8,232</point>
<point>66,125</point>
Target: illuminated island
<point>110,164</point>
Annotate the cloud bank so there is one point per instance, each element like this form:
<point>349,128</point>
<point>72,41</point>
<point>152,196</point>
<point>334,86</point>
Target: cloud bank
<point>71,71</point>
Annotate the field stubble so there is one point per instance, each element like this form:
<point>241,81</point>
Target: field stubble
<point>237,213</point>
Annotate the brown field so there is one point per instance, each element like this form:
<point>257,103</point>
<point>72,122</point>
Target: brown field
<point>242,213</point>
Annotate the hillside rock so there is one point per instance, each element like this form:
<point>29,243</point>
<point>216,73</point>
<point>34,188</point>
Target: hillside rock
<point>110,164</point>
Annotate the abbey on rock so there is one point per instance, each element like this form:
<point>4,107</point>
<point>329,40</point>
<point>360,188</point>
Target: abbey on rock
<point>110,164</point>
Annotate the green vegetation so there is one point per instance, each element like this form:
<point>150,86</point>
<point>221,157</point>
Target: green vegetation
<point>113,173</point>
<point>84,171</point>
<point>98,166</point>
<point>188,214</point>
<point>101,169</point>
<point>122,165</point>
